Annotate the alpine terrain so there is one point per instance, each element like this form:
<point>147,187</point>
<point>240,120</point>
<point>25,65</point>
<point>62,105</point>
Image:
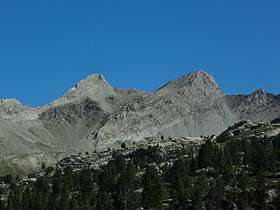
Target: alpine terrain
<point>93,117</point>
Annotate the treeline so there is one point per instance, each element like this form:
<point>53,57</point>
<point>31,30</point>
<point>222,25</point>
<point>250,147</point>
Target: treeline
<point>241,174</point>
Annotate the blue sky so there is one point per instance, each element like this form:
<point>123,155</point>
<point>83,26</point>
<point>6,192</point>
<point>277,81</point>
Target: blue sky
<point>46,46</point>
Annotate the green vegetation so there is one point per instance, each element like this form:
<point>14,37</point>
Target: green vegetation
<point>243,174</point>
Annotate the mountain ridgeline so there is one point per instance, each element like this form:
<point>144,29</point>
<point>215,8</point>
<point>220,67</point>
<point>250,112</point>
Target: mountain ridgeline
<point>93,116</point>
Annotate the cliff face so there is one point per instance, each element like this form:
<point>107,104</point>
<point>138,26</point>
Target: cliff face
<point>258,106</point>
<point>192,105</point>
<point>95,116</point>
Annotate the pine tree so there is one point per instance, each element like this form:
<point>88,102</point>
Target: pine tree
<point>14,199</point>
<point>206,154</point>
<point>63,202</point>
<point>180,184</point>
<point>123,195</point>
<point>2,204</point>
<point>27,200</point>
<point>87,188</point>
<point>261,193</point>
<point>199,192</point>
<point>245,185</point>
<point>228,165</point>
<point>11,202</point>
<point>104,200</point>
<point>154,192</point>
<point>43,167</point>
<point>73,204</point>
<point>215,195</point>
<point>276,201</point>
<point>220,161</point>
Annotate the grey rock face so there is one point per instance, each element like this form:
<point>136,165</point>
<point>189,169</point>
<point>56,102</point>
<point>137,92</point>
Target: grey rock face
<point>184,107</point>
<point>258,106</point>
<point>248,130</point>
<point>95,116</point>
<point>13,109</point>
<point>68,123</point>
<point>94,87</point>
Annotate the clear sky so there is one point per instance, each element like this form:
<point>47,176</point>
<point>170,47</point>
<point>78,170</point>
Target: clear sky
<point>46,46</point>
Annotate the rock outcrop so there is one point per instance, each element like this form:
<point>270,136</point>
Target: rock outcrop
<point>258,106</point>
<point>248,130</point>
<point>93,116</point>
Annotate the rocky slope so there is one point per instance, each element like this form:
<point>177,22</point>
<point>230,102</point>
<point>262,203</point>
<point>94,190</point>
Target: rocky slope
<point>184,107</point>
<point>95,116</point>
<point>258,106</point>
<point>238,168</point>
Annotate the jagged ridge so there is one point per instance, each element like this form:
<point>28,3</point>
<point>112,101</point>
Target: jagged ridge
<point>95,116</point>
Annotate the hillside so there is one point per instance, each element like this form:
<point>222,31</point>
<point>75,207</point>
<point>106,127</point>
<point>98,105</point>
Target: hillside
<point>94,116</point>
<point>239,169</point>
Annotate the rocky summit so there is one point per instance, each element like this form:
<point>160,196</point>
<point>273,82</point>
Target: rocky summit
<point>94,116</point>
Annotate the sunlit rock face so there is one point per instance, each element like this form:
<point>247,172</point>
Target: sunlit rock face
<point>258,106</point>
<point>94,116</point>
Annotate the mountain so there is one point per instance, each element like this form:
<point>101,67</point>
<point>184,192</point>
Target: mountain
<point>238,169</point>
<point>94,116</point>
<point>94,87</point>
<point>184,107</point>
<point>258,106</point>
